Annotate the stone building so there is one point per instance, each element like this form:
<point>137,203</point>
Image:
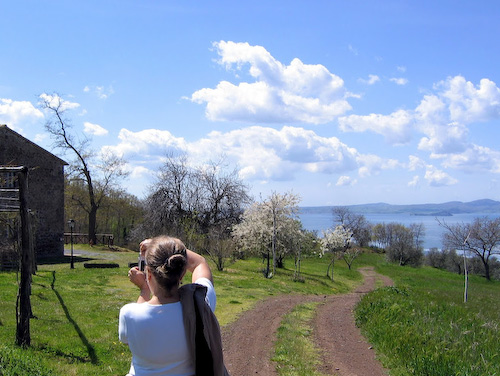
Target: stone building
<point>45,189</point>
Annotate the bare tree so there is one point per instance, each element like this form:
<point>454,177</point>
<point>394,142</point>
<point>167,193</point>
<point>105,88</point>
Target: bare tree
<point>357,223</point>
<point>480,238</point>
<point>223,194</point>
<point>99,177</point>
<point>402,244</point>
<point>198,203</point>
<point>220,247</point>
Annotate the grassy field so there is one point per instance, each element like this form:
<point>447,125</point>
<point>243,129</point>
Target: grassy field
<point>419,327</point>
<point>423,327</point>
<point>76,324</point>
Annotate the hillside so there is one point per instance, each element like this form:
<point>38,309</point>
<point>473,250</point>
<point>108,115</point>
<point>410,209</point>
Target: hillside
<point>443,209</point>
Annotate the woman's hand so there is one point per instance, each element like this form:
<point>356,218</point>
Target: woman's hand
<point>144,246</point>
<point>138,278</point>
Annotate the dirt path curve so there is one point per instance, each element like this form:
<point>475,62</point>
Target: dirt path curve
<point>248,342</point>
<point>345,352</point>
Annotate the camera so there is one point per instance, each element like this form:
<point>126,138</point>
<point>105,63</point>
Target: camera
<point>142,263</point>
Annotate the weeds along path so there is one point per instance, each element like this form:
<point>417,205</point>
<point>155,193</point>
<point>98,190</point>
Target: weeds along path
<point>249,342</point>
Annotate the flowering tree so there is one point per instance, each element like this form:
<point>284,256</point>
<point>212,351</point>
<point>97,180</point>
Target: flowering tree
<point>269,226</point>
<point>336,242</point>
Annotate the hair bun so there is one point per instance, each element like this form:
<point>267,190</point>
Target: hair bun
<point>176,262</point>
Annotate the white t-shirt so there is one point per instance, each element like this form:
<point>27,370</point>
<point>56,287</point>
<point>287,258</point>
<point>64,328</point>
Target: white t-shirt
<point>156,336</point>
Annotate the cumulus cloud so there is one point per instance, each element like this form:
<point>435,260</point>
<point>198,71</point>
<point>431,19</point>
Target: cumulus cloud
<point>261,153</point>
<point>147,145</point>
<point>94,129</point>
<point>373,164</point>
<point>468,103</point>
<point>474,159</point>
<point>15,113</point>
<point>291,93</point>
<point>372,79</point>
<point>399,81</point>
<point>266,153</point>
<point>346,181</point>
<point>100,91</point>
<point>415,163</point>
<point>394,127</point>
<point>54,100</point>
<point>414,182</point>
<point>444,117</point>
<point>438,178</point>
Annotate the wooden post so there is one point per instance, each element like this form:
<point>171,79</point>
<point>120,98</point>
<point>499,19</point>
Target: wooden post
<point>23,337</point>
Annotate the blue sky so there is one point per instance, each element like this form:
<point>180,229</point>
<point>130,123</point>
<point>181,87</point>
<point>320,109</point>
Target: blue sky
<point>341,102</point>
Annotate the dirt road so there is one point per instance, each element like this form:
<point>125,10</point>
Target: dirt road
<point>248,342</point>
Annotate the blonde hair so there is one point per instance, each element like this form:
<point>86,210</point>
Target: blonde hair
<point>166,259</point>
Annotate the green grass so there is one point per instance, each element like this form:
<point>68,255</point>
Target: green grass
<point>422,326</point>
<point>295,353</point>
<point>75,331</point>
<point>419,327</point>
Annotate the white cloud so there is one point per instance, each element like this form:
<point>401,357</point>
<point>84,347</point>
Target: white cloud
<point>401,69</point>
<point>372,79</point>
<point>100,91</point>
<point>137,172</point>
<point>260,153</point>
<point>396,127</point>
<point>415,163</point>
<point>295,93</point>
<point>94,129</point>
<point>475,159</point>
<point>16,113</point>
<point>147,146</point>
<point>266,153</point>
<point>40,138</point>
<point>438,178</point>
<point>372,165</point>
<point>443,118</point>
<point>399,81</point>
<point>468,103</point>
<point>414,182</point>
<point>346,181</point>
<point>56,101</point>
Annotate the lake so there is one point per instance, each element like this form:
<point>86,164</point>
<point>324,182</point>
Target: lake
<point>323,220</point>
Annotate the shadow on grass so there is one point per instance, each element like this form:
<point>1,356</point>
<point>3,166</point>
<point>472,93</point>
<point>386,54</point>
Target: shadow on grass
<point>90,348</point>
<point>62,260</point>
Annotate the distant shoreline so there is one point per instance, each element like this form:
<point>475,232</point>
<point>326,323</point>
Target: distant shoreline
<point>446,209</point>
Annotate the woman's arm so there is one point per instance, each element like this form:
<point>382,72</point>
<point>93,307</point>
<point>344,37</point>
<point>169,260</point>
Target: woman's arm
<point>138,278</point>
<point>197,265</point>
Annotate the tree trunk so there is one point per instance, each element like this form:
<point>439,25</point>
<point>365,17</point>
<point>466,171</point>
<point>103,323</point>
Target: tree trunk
<point>331,264</point>
<point>486,270</point>
<point>92,224</point>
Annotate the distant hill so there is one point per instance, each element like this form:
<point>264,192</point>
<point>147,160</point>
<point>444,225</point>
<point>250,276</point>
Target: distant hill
<point>444,209</point>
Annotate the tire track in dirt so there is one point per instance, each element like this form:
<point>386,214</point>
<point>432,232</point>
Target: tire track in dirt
<point>249,342</point>
<point>345,352</point>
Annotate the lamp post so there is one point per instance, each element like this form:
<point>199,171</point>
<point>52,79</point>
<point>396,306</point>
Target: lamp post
<point>71,224</point>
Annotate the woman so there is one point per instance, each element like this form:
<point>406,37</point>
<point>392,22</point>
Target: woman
<point>172,330</point>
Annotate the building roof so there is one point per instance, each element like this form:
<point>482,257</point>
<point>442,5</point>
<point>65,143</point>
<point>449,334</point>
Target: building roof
<point>5,128</point>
